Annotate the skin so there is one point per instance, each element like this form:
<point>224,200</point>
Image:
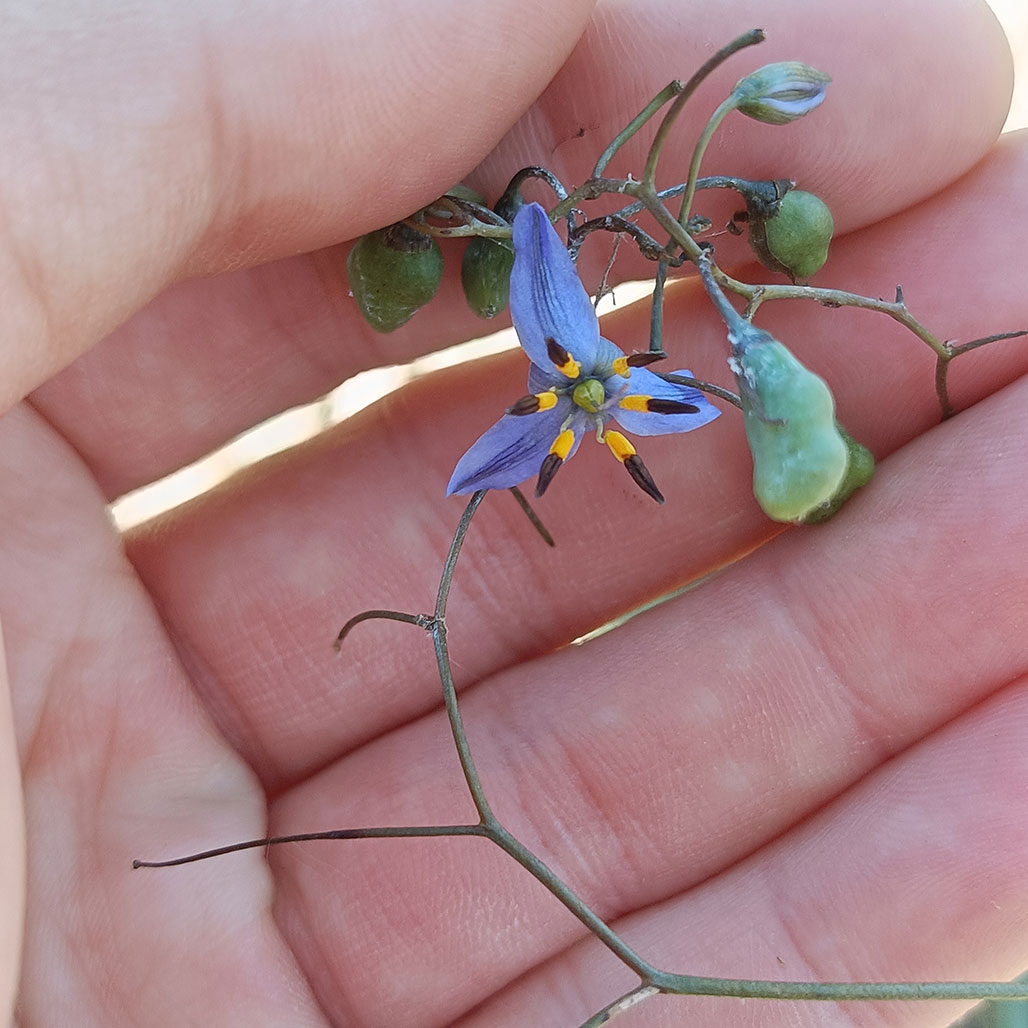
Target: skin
<point>812,766</point>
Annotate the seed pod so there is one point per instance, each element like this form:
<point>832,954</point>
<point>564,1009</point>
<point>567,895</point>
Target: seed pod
<point>795,238</point>
<point>859,471</point>
<point>485,275</point>
<point>392,273</point>
<point>799,456</point>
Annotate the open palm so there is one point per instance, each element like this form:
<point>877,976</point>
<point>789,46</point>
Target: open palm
<point>811,766</point>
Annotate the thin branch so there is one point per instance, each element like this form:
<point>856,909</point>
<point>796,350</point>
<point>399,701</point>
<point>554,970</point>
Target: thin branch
<point>442,656</point>
<point>669,92</point>
<point>660,138</point>
<point>657,308</point>
<point>415,832</point>
<point>706,387</point>
<point>838,992</point>
<point>421,620</point>
<point>620,1005</point>
<point>532,516</point>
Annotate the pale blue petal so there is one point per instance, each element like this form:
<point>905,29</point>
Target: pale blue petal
<point>547,298</point>
<point>513,449</point>
<point>645,383</point>
<point>606,353</point>
<point>540,380</point>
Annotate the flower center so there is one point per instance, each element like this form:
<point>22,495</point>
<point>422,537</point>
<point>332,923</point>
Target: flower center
<point>589,395</point>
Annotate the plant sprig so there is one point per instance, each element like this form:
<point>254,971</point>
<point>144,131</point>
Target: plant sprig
<point>775,94</point>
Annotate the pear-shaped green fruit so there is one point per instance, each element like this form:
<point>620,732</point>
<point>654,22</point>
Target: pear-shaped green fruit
<point>859,471</point>
<point>392,273</point>
<point>485,275</point>
<point>799,456</point>
<point>795,239</point>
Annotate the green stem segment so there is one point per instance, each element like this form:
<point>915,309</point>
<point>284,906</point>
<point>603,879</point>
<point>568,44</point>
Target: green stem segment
<point>669,92</point>
<point>652,980</point>
<point>724,109</point>
<point>750,38</point>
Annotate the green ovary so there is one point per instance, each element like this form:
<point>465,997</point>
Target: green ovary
<point>589,395</point>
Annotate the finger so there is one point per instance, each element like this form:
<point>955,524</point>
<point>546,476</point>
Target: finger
<point>209,140</point>
<point>12,855</point>
<point>287,333</point>
<point>111,741</point>
<point>366,528</point>
<point>914,874</point>
<point>660,754</point>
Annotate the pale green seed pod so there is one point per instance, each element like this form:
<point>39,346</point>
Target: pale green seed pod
<point>859,471</point>
<point>799,456</point>
<point>795,239</point>
<point>485,275</point>
<point>393,272</point>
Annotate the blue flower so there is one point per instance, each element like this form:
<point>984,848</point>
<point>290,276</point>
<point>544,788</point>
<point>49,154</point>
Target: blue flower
<point>578,380</point>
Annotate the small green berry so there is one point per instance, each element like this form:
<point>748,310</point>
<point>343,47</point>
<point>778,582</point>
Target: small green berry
<point>795,238</point>
<point>485,275</point>
<point>392,273</point>
<point>800,233</point>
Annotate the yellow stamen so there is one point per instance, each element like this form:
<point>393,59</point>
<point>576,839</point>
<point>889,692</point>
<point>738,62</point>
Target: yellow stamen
<point>562,444</point>
<point>562,360</point>
<point>571,368</point>
<point>547,400</point>
<point>635,402</point>
<point>619,446</point>
<point>621,367</point>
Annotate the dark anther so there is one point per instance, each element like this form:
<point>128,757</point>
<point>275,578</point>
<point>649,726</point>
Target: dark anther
<point>640,360</point>
<point>556,352</point>
<point>546,473</point>
<point>642,478</point>
<point>655,405</point>
<point>526,405</point>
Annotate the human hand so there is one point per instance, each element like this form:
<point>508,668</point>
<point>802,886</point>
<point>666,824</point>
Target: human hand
<point>811,766</point>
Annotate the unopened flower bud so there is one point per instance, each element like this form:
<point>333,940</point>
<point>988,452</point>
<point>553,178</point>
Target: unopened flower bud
<point>393,272</point>
<point>485,275</point>
<point>794,239</point>
<point>782,92</point>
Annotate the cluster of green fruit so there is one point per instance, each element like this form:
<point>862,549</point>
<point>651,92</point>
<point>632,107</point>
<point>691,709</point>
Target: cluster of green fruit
<point>396,270</point>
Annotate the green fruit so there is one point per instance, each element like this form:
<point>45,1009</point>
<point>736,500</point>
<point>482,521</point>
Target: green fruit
<point>859,470</point>
<point>795,239</point>
<point>392,273</point>
<point>799,457</point>
<point>485,275</point>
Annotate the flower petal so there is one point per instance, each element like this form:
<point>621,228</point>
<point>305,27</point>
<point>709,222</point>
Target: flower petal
<point>514,449</point>
<point>549,306</point>
<point>644,383</point>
